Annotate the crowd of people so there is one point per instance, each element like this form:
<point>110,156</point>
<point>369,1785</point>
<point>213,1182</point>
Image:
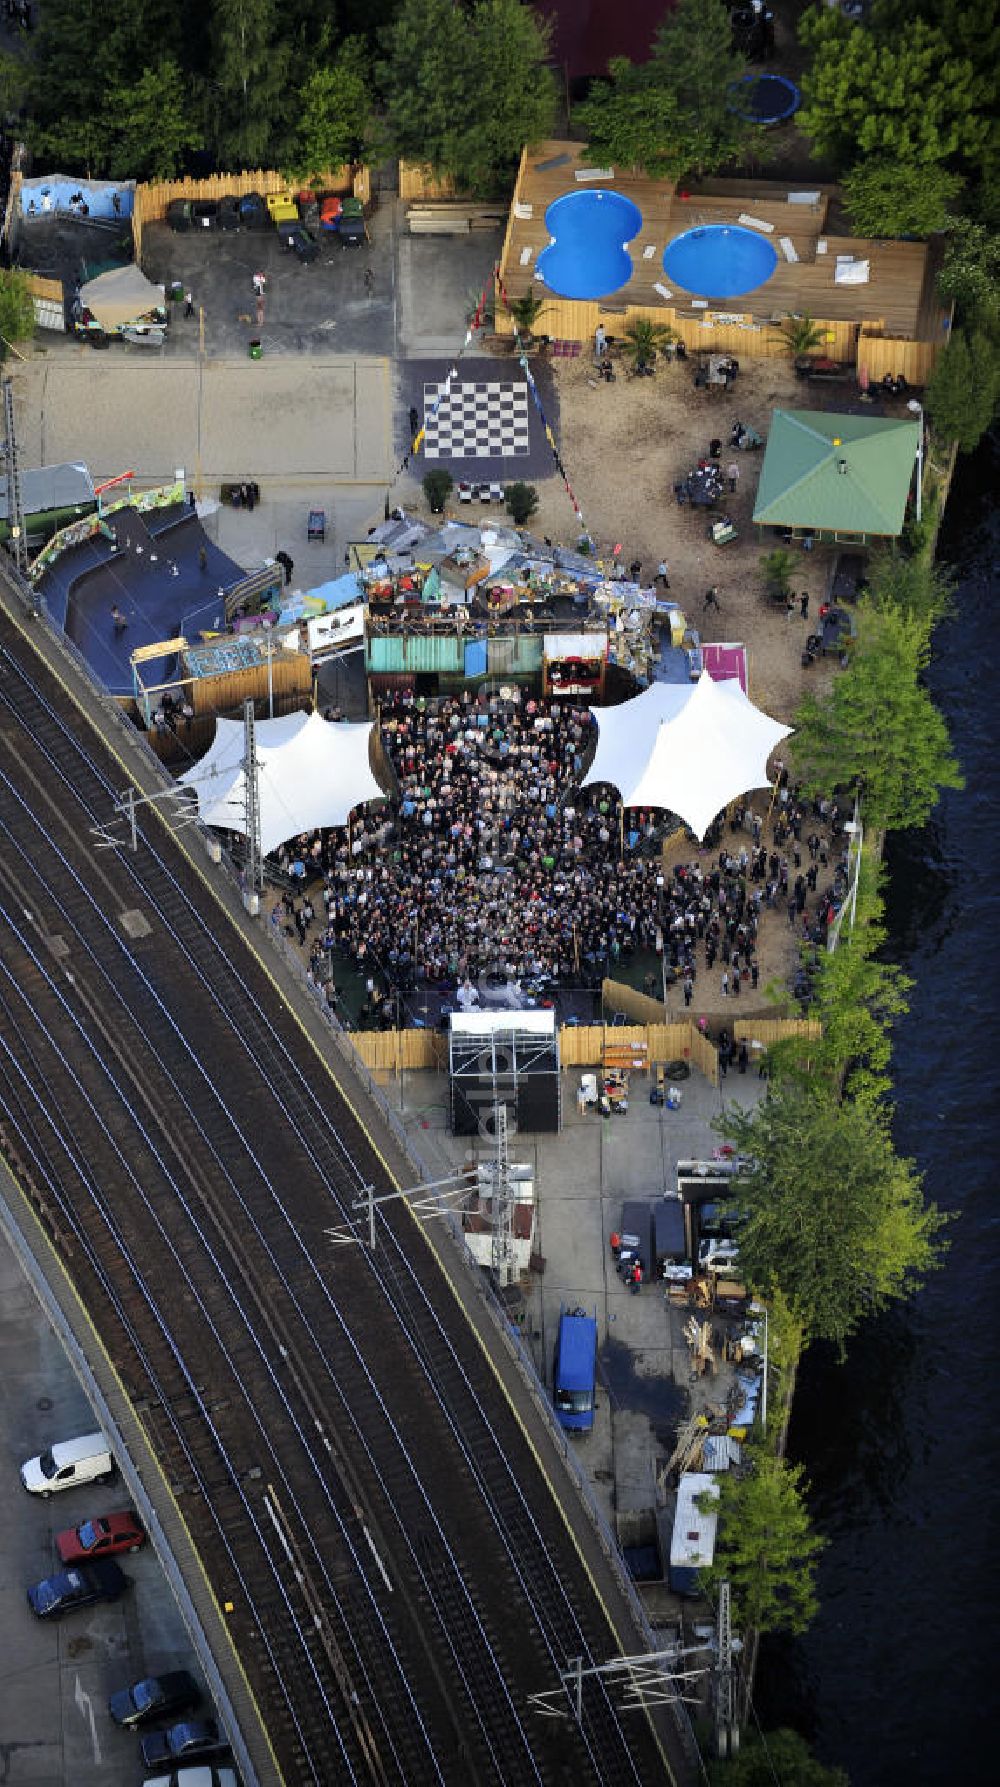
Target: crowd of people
<point>495,866</point>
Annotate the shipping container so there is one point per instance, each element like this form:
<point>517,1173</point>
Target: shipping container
<point>692,1546</point>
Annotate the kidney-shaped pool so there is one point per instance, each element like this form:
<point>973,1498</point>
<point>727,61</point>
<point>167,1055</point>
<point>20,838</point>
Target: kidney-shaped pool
<point>588,256</point>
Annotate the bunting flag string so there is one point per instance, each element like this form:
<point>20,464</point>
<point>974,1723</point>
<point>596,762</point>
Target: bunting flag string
<point>476,322</point>
<point>522,360</point>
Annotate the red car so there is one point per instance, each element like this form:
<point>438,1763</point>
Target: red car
<point>100,1538</point>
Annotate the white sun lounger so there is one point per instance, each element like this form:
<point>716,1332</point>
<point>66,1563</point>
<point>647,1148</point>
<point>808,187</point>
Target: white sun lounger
<point>755,223</point>
<point>594,174</point>
<point>788,248</point>
<point>526,254</point>
<point>663,290</point>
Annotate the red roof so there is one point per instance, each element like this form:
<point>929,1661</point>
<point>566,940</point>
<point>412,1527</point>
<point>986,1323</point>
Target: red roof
<point>585,33</point>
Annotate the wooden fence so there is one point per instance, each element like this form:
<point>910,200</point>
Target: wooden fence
<point>40,287</point>
<point>417,182</point>
<point>881,354</point>
<point>574,320</point>
<point>639,1007</point>
<point>153,198</point>
<point>583,1045</point>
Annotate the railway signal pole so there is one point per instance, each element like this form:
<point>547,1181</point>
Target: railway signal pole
<point>15,505</point>
<point>251,804</point>
<point>727,1732</point>
<point>648,1680</point>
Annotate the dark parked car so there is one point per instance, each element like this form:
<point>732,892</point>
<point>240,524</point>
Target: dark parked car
<point>229,213</point>
<point>204,214</point>
<point>56,1595</point>
<point>296,239</point>
<point>179,214</point>
<point>254,214</point>
<point>156,1697</point>
<point>100,1538</point>
<point>182,1743</point>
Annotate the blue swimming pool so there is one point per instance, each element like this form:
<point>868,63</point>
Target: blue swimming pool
<point>720,260</point>
<point>588,256</point>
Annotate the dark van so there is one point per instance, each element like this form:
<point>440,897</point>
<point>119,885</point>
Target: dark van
<point>575,1370</point>
<point>669,1244</point>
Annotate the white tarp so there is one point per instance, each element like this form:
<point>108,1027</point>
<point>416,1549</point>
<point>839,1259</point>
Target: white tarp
<point>690,748</point>
<point>124,295</point>
<point>312,773</point>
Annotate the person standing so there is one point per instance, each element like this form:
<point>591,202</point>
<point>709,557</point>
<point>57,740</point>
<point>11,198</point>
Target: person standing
<point>712,599</point>
<point>662,573</point>
<point>600,343</point>
<point>189,304</point>
<point>118,621</point>
<point>804,605</point>
<point>733,474</point>
<point>259,284</point>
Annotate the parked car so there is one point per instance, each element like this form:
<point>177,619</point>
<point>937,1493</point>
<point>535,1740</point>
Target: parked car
<point>204,214</point>
<point>182,1742</point>
<point>296,239</point>
<point>101,1537</point>
<point>69,1462</point>
<point>254,214</point>
<point>229,213</point>
<point>155,1697</point>
<point>179,214</point>
<point>56,1595</point>
<point>198,1775</point>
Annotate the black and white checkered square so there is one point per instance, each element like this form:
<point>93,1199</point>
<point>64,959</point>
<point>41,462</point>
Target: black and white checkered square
<point>484,421</point>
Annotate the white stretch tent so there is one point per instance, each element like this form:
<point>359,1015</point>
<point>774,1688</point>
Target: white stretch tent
<point>312,773</point>
<point>691,749</point>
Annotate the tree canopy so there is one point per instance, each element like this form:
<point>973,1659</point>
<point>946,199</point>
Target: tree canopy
<point>894,198</point>
<point>910,96</point>
<point>830,1214</point>
<point>17,311</point>
<point>774,1755</point>
<point>877,731</point>
<point>439,66</point>
<point>336,110</point>
<point>765,1546</point>
<point>672,115</point>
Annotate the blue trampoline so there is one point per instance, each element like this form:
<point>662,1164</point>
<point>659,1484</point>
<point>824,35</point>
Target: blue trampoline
<point>765,98</point>
<point>588,256</point>
<point>720,260</point>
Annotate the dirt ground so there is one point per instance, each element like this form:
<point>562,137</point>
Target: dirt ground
<point>625,445</point>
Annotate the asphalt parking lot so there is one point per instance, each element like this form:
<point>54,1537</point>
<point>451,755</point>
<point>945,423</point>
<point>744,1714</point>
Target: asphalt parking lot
<point>57,1675</point>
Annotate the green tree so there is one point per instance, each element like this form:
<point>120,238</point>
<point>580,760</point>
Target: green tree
<point>877,731</point>
<point>766,1757</point>
<point>438,486</point>
<point>970,273</point>
<point>672,115</point>
<point>248,83</point>
<point>906,97</point>
<point>964,388</point>
<point>441,64</point>
<point>643,339</point>
<point>522,502</point>
<point>148,126</point>
<point>336,110</point>
<point>831,1215</point>
<point>80,50</point>
<point>916,586</point>
<point>892,198</point>
<point>17,312</point>
<point>777,567</point>
<point>765,1546</point>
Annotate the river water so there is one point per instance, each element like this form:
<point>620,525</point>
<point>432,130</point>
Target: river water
<point>895,1679</point>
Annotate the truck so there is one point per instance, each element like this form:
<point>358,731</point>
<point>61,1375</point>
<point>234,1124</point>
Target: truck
<point>637,1238</point>
<point>575,1370</point>
<point>669,1240</point>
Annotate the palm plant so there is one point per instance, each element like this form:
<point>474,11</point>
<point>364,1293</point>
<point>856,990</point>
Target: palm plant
<point>526,312</point>
<point>802,334</point>
<point>643,340</point>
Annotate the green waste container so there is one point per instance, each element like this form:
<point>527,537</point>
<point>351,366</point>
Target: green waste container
<point>176,291</point>
<point>256,350</point>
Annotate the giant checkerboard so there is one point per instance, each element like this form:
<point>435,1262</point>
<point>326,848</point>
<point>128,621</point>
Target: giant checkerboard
<point>477,421</point>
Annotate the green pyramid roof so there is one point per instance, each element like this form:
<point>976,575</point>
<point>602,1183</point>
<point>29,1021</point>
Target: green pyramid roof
<point>835,473</point>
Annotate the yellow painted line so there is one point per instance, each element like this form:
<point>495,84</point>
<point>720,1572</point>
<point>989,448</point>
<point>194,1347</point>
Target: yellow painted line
<point>49,1248</point>
<point>200,868</point>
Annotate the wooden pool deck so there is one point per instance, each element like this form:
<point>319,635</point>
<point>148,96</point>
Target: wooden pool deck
<point>897,301</point>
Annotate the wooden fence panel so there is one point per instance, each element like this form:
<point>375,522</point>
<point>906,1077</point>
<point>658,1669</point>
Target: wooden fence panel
<point>395,1051</point>
<point>881,354</point>
<point>153,197</point>
<point>639,1007</point>
<point>772,1030</point>
<point>416,182</point>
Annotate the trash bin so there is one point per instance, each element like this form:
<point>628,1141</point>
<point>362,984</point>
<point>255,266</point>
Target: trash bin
<point>256,350</point>
<point>673,1098</point>
<point>176,291</point>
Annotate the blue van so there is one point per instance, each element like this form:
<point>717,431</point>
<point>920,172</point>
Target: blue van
<point>575,1370</point>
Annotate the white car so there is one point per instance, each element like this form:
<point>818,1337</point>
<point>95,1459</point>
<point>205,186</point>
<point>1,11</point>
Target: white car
<point>199,1774</point>
<point>718,1256</point>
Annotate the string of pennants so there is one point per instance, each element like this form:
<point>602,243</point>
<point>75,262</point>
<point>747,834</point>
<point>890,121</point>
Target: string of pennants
<point>476,322</point>
<point>522,360</point>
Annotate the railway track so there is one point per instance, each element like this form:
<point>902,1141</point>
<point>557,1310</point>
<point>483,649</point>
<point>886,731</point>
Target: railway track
<point>400,1576</point>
